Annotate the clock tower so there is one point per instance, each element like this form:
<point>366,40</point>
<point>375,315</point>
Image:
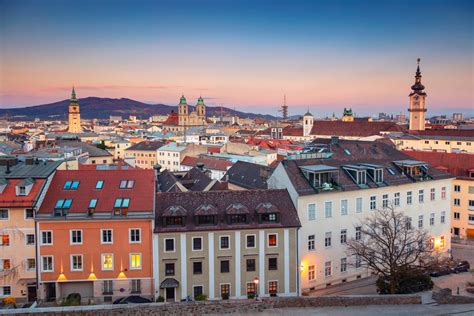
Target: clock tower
<point>417,103</point>
<point>74,115</point>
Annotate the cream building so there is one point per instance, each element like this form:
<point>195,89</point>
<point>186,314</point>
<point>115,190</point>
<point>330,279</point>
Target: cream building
<point>333,195</point>
<point>225,244</point>
<point>171,155</point>
<point>447,141</point>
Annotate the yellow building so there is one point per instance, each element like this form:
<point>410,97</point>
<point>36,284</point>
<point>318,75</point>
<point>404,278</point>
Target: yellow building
<point>74,115</point>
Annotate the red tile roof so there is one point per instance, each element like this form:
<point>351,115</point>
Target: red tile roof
<point>141,195</point>
<point>357,128</point>
<point>209,162</point>
<point>8,197</point>
<point>445,132</point>
<point>172,119</point>
<point>454,163</point>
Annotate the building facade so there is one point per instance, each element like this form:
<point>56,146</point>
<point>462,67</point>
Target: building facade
<point>225,244</point>
<point>335,194</point>
<point>74,116</point>
<point>94,231</point>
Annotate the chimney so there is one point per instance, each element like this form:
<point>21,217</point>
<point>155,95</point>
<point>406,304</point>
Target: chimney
<point>200,166</point>
<point>334,140</point>
<point>263,173</point>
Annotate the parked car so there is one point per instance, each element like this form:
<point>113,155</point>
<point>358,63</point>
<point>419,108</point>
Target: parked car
<point>133,299</point>
<point>462,266</point>
<point>444,270</point>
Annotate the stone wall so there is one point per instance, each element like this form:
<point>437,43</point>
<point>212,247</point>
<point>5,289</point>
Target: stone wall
<point>230,306</point>
<point>445,296</point>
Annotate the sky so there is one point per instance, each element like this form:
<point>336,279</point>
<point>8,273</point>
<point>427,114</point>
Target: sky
<point>324,55</point>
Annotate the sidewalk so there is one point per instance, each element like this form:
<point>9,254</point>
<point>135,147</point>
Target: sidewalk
<point>365,286</point>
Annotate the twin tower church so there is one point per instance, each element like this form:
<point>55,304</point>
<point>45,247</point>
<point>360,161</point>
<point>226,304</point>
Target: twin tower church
<point>185,118</point>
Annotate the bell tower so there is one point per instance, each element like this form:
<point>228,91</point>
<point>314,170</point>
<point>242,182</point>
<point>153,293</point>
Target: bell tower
<point>417,103</point>
<point>201,110</point>
<point>74,114</point>
<point>308,121</point>
<point>183,111</point>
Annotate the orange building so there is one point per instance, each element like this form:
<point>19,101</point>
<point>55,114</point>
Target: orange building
<point>94,232</point>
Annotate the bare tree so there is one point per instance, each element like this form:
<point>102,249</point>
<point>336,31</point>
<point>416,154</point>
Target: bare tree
<point>389,246</point>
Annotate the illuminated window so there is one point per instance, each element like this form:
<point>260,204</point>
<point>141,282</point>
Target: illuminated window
<point>272,240</point>
<point>135,261</point>
<point>108,262</point>
<point>273,287</point>
<point>311,273</point>
<point>5,264</point>
<point>5,240</point>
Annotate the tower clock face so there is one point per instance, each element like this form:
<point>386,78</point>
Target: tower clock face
<point>416,98</point>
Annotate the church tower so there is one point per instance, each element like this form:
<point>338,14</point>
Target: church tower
<point>417,103</point>
<point>74,115</point>
<point>308,121</point>
<point>201,110</point>
<point>183,111</point>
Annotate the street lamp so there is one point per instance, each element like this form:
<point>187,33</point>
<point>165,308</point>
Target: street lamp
<point>256,287</point>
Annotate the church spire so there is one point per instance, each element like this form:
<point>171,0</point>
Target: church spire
<point>418,87</point>
<point>73,94</point>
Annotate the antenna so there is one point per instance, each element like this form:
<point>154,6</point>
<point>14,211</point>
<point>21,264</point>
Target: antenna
<point>284,108</point>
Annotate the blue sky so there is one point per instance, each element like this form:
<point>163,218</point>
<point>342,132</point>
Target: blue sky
<point>325,55</point>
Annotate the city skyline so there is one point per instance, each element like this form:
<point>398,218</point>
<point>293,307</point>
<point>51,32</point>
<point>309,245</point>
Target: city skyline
<point>239,55</point>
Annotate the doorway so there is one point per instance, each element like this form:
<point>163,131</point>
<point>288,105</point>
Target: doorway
<point>31,293</point>
<point>170,294</point>
<point>50,292</point>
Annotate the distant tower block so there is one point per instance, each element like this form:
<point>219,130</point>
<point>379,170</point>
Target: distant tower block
<point>284,109</point>
<point>417,103</point>
<point>74,114</point>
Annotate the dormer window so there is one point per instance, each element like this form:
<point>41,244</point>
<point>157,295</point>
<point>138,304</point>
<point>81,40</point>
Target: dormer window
<point>375,172</point>
<point>237,214</point>
<point>127,184</point>
<point>206,214</point>
<point>417,170</point>
<point>174,215</point>
<point>23,188</point>
<point>268,213</point>
<point>321,177</point>
<point>271,217</point>
<point>357,173</point>
<point>71,185</point>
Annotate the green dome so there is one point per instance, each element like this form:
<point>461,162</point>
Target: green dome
<point>182,100</point>
<point>200,101</point>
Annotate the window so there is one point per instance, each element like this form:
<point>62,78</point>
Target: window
<point>225,291</point>
<point>99,184</point>
<point>390,170</point>
<point>169,244</point>
<point>63,204</point>
<point>92,203</point>
<point>5,290</point>
<point>359,205</point>
<point>169,269</point>
<point>311,212</point>
<point>76,237</point>
<point>29,213</point>
<point>343,264</point>
<point>197,290</point>
<point>107,262</point>
<point>225,266</point>
<point>71,185</point>
<point>224,242</point>
<point>4,214</point>
<point>471,204</point>
<point>432,219</point>
<point>358,262</point>
<point>409,198</point>
<point>106,236</point>
<point>457,188</point>
<point>127,184</point>
<point>135,261</point>
<point>30,264</point>
<point>327,268</point>
<point>457,202</point>
<point>30,239</point>
<point>358,233</point>
<point>272,264</point>
<point>408,222</point>
<point>250,241</point>
<point>343,207</point>
<point>121,203</point>
<point>5,264</point>
<point>327,239</point>
<point>273,287</point>
<point>47,237</point>
<point>311,242</point>
<point>197,267</point>
<point>197,243</point>
<point>373,202</point>
<point>420,221</point>
<point>385,200</point>
<point>432,194</point>
<point>135,235</point>
<point>5,241</point>
<point>47,264</point>
<point>396,199</point>
<point>76,262</point>
<point>311,273</point>
<point>343,236</point>
<point>443,193</point>
<point>328,209</point>
<point>443,217</point>
<point>237,218</point>
<point>250,263</point>
<point>270,217</point>
<point>136,286</point>
<point>421,196</point>
<point>272,240</point>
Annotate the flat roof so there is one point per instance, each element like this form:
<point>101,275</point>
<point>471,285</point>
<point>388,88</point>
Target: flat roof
<point>410,162</point>
<point>318,168</point>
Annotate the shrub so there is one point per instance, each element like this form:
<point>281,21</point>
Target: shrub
<point>225,296</point>
<point>251,296</point>
<point>200,297</point>
<point>73,299</point>
<point>160,299</point>
<point>9,300</point>
<point>409,282</point>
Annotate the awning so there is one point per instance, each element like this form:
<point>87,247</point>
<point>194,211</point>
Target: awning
<point>169,283</point>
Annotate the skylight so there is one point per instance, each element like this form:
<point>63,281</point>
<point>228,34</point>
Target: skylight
<point>347,151</point>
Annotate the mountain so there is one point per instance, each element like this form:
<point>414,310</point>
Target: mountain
<point>102,108</point>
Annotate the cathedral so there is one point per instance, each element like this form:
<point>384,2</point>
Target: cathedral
<point>178,122</point>
<point>74,115</point>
